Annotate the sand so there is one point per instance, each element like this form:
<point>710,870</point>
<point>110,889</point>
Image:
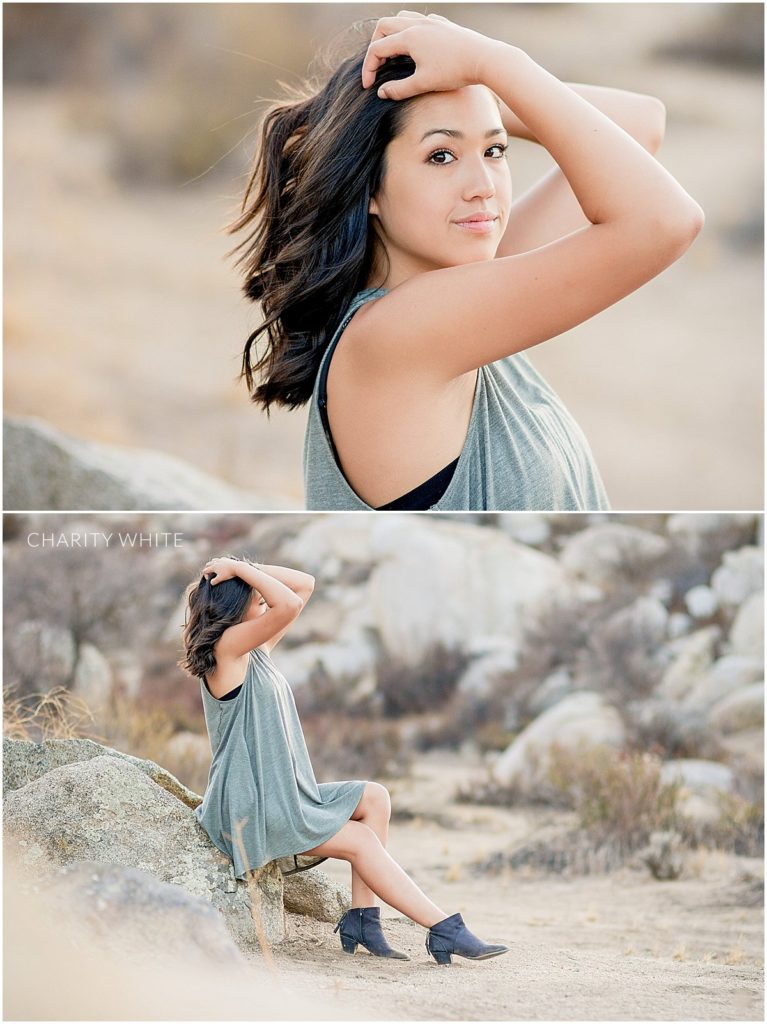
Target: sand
<point>621,946</point>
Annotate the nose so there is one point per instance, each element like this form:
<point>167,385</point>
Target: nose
<point>479,182</point>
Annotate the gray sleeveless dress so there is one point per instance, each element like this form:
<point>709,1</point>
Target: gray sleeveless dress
<point>523,450</point>
<point>261,774</point>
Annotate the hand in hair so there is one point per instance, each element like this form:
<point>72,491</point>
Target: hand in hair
<point>219,569</point>
<point>447,56</point>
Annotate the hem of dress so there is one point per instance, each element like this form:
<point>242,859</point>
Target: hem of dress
<point>293,853</point>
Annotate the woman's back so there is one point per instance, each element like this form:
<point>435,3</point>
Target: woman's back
<point>521,449</point>
<point>261,774</point>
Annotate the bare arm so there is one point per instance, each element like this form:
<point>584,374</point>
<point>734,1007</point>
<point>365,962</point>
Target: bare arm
<point>301,583</point>
<point>549,209</point>
<point>641,115</point>
<point>639,219</point>
<point>284,605</point>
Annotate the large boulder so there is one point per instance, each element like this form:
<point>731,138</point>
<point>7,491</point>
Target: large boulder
<point>747,632</point>
<point>701,602</point>
<point>48,653</point>
<point>24,762</point>
<point>725,676</point>
<point>699,776</point>
<point>580,718</point>
<point>444,584</point>
<point>329,545</point>
<point>350,666</point>
<point>739,710</point>
<point>740,575</point>
<point>692,656</point>
<point>45,651</point>
<point>706,534</point>
<point>484,672</point>
<point>602,554</point>
<point>108,810</point>
<point>47,469</point>
<point>315,894</point>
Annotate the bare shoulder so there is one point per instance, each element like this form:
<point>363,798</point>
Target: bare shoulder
<point>448,321</point>
<point>229,672</point>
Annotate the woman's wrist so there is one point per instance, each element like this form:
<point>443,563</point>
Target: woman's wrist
<point>495,55</point>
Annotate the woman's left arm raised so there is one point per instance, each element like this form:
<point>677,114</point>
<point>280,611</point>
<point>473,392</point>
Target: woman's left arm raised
<point>301,583</point>
<point>549,209</point>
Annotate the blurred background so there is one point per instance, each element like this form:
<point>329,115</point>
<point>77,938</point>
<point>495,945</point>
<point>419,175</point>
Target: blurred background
<point>567,710</point>
<point>129,130</point>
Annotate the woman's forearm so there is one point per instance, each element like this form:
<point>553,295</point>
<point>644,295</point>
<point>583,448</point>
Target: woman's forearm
<point>273,591</point>
<point>299,582</point>
<point>641,115</point>
<point>612,176</point>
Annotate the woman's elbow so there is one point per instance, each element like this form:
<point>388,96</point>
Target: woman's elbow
<point>656,123</point>
<point>692,222</point>
<point>684,228</point>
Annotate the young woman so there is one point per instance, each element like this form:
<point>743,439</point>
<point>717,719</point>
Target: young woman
<point>261,779</point>
<point>401,286</point>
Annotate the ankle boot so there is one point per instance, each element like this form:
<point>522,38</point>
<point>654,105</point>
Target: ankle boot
<point>451,936</point>
<point>362,926</point>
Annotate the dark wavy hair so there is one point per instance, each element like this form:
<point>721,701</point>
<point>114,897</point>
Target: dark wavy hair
<point>319,161</point>
<point>209,611</point>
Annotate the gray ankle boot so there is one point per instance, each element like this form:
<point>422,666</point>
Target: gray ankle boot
<point>451,936</point>
<point>362,926</point>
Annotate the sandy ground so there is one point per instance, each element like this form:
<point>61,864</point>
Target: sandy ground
<point>620,947</point>
<point>124,322</point>
<point>617,947</point>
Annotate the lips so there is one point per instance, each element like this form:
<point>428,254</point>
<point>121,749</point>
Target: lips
<point>477,218</point>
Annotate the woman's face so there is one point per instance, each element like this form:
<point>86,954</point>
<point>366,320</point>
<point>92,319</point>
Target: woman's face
<point>257,606</point>
<point>433,180</point>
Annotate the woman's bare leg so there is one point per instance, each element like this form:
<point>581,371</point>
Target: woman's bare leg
<point>374,810</point>
<point>358,843</point>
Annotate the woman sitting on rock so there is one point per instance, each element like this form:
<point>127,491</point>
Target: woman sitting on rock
<point>262,801</point>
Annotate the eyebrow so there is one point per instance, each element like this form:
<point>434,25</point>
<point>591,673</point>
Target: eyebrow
<point>459,135</point>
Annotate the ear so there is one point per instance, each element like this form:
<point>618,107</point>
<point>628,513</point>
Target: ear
<point>373,207</point>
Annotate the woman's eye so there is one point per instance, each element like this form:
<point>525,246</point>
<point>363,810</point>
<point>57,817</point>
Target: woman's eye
<point>500,146</point>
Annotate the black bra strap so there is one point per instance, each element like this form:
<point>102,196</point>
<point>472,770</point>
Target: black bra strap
<point>419,498</point>
<point>424,495</point>
<point>322,394</point>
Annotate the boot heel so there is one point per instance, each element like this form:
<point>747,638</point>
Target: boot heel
<point>441,957</point>
<point>348,945</point>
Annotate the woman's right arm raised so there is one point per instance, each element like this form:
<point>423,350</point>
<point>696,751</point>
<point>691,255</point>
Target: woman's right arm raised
<point>457,318</point>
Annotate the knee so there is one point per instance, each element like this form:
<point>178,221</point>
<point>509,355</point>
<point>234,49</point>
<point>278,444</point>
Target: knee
<point>362,840</point>
<point>380,799</point>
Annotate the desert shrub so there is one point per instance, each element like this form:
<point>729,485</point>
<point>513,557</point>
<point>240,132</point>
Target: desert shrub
<point>739,828</point>
<point>56,714</point>
<point>60,714</point>
<point>671,731</point>
<point>621,658</point>
<point>557,634</point>
<point>406,689</point>
<point>349,747</point>
<point>616,794</point>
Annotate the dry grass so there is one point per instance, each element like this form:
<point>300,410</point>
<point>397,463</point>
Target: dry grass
<point>739,828</point>
<point>58,714</point>
<point>616,794</point>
